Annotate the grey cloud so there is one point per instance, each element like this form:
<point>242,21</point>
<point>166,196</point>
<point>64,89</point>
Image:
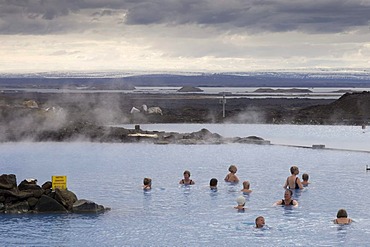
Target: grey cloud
<point>256,16</point>
<point>34,16</point>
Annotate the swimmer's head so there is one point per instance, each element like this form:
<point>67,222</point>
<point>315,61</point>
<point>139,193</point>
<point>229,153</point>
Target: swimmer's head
<point>294,170</point>
<point>213,182</point>
<point>233,169</point>
<point>147,181</point>
<point>246,185</point>
<point>288,194</point>
<point>260,222</point>
<point>240,200</point>
<point>186,172</point>
<point>305,177</point>
<point>342,213</point>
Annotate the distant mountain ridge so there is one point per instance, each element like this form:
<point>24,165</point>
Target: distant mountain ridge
<point>116,80</point>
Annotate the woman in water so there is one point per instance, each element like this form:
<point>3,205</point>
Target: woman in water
<point>288,200</point>
<point>241,203</point>
<point>293,182</point>
<point>186,180</point>
<point>342,217</point>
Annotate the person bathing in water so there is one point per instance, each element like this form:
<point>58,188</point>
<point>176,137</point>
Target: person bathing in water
<point>305,181</point>
<point>293,182</point>
<point>260,222</point>
<point>147,184</point>
<point>231,177</point>
<point>213,183</point>
<point>288,200</point>
<point>186,180</point>
<point>241,203</point>
<point>342,218</point>
<point>246,186</point>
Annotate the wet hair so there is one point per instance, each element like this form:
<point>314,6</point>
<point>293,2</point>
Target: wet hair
<point>305,177</point>
<point>342,213</point>
<point>187,172</point>
<point>290,192</point>
<point>246,184</point>
<point>259,217</point>
<point>147,181</point>
<point>293,169</point>
<point>233,169</point>
<point>213,182</point>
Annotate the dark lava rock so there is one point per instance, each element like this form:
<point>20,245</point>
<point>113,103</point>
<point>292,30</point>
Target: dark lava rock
<point>86,206</point>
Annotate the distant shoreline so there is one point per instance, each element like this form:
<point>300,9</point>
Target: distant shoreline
<point>206,92</point>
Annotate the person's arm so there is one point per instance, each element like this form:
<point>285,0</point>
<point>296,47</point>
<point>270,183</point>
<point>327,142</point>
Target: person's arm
<point>280,202</point>
<point>295,203</point>
<point>236,179</point>
<point>299,183</point>
<point>226,178</point>
<point>181,181</point>
<point>285,186</point>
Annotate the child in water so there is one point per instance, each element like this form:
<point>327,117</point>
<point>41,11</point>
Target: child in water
<point>305,178</point>
<point>231,177</point>
<point>147,184</point>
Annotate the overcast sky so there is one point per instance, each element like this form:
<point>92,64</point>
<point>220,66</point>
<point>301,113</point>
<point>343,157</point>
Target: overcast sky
<point>183,35</point>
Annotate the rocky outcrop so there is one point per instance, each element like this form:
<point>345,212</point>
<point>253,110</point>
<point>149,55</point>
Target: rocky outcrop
<point>189,89</point>
<point>89,131</point>
<point>351,108</point>
<point>86,206</point>
<point>28,197</point>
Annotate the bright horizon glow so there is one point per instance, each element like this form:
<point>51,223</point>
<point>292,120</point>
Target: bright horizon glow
<point>204,36</point>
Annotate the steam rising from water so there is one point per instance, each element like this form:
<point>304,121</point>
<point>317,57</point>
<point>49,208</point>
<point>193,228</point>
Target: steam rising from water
<point>251,115</point>
<point>19,121</point>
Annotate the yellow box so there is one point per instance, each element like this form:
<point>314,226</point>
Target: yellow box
<point>59,182</point>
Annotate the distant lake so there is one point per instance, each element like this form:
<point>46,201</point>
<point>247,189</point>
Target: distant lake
<point>230,92</point>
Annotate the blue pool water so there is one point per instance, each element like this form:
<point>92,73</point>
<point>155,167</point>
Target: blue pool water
<point>171,215</point>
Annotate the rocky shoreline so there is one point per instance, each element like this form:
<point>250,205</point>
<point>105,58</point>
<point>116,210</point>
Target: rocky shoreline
<point>28,197</point>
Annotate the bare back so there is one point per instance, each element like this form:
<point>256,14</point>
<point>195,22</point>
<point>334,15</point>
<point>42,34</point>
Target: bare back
<point>293,182</point>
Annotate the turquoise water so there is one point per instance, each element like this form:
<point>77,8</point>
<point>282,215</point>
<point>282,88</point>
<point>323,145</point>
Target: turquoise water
<point>171,215</point>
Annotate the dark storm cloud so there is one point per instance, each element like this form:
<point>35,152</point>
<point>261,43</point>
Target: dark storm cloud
<point>310,16</point>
